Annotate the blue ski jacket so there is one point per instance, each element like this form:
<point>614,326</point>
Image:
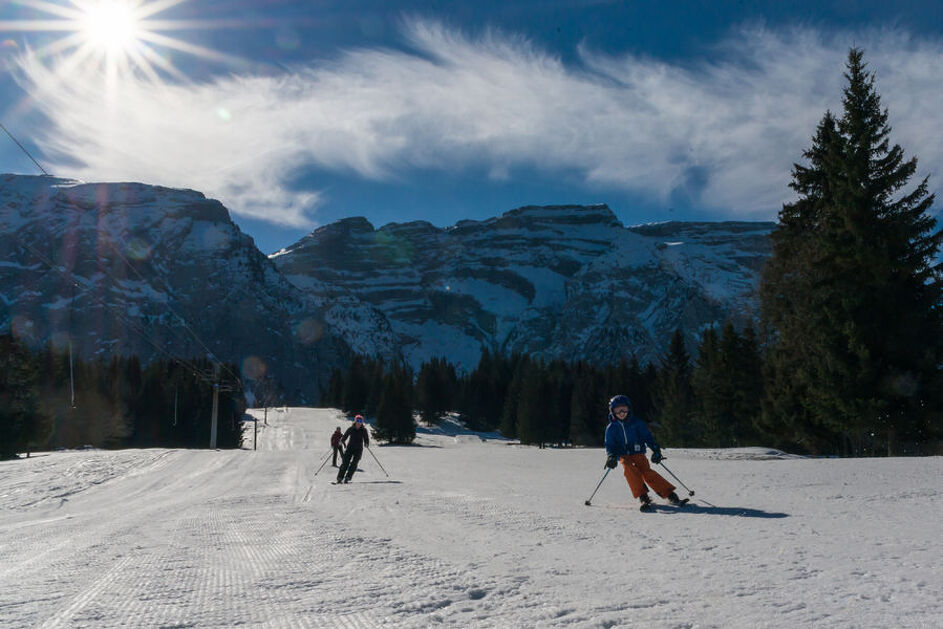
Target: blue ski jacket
<point>629,436</point>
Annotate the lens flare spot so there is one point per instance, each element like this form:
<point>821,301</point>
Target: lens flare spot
<point>254,368</point>
<point>223,114</point>
<point>287,39</point>
<point>309,331</point>
<point>59,341</point>
<point>138,249</point>
<point>23,328</point>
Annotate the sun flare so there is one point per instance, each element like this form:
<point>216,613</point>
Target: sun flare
<point>111,25</point>
<point>121,37</point>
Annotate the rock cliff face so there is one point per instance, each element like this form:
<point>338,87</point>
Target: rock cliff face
<point>156,272</point>
<point>557,282</point>
<point>127,268</point>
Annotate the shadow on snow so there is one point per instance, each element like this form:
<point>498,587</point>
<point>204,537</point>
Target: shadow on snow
<point>742,512</point>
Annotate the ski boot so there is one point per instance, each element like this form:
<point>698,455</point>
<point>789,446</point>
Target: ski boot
<point>646,503</point>
<point>675,501</point>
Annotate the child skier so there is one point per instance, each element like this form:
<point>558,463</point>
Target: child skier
<point>626,438</point>
<point>336,445</point>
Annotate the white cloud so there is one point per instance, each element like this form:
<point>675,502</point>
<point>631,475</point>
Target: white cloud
<point>722,132</point>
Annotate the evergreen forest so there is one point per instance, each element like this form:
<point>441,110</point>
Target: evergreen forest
<point>48,401</point>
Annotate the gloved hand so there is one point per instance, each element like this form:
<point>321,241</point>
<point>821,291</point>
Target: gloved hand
<point>612,461</point>
<point>656,456</point>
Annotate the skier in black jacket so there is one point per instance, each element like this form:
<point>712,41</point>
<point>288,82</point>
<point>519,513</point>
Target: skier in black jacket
<point>354,439</point>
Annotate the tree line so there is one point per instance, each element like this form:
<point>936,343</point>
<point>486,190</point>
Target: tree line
<point>48,401</point>
<point>712,401</point>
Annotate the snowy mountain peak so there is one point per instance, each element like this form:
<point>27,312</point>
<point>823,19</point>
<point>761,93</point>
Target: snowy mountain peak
<point>554,281</point>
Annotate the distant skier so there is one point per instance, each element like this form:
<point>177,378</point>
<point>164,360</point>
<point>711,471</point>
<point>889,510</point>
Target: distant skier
<point>354,439</point>
<point>336,444</point>
<point>626,438</point>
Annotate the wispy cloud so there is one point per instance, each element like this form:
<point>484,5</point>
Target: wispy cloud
<point>721,133</point>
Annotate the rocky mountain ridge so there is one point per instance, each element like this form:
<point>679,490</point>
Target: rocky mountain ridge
<point>132,269</point>
<point>552,281</point>
<point>135,269</point>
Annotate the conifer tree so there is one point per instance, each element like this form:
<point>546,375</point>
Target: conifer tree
<point>376,370</point>
<point>476,395</point>
<point>512,398</point>
<point>533,405</point>
<point>587,406</point>
<point>334,396</point>
<point>394,421</point>
<point>742,354</point>
<point>356,385</point>
<point>709,380</point>
<point>22,425</point>
<point>673,398</point>
<point>436,385</point>
<point>850,294</point>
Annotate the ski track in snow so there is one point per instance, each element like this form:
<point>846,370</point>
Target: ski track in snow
<point>464,533</point>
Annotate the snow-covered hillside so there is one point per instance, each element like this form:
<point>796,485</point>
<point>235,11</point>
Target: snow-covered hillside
<point>555,282</point>
<point>134,269</point>
<point>464,532</point>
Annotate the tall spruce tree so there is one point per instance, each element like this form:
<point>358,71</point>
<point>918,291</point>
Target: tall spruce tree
<point>850,294</point>
<point>436,386</point>
<point>508,426</point>
<point>394,421</point>
<point>709,381</point>
<point>587,407</point>
<point>22,424</point>
<point>673,397</point>
<point>746,362</point>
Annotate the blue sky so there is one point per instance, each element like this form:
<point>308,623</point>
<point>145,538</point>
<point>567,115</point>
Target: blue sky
<point>297,113</point>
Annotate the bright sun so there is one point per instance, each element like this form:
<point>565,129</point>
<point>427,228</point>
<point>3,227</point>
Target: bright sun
<point>111,25</point>
<point>122,37</point>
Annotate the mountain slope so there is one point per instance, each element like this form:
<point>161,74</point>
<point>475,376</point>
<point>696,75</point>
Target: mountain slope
<point>135,269</point>
<point>555,281</point>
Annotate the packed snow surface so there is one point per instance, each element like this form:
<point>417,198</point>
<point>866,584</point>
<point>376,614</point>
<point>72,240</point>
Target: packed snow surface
<point>466,531</point>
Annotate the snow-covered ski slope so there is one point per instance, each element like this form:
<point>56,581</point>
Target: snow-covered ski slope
<point>464,533</point>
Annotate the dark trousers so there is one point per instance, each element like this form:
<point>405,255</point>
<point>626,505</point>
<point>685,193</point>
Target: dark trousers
<point>337,450</point>
<point>349,464</point>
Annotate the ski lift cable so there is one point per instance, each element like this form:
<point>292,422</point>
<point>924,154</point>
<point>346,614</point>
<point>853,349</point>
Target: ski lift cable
<point>22,148</point>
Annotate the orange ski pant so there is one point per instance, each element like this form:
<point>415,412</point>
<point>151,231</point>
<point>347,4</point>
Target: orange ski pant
<point>637,473</point>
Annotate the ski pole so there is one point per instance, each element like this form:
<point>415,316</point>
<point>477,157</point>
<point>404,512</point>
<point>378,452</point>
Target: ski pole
<point>378,461</point>
<point>325,460</point>
<point>588,500</point>
<point>690,491</point>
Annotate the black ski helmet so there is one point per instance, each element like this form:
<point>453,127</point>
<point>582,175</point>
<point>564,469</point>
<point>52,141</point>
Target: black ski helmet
<point>620,400</point>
